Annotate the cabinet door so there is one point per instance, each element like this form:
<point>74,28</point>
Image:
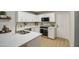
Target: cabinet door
<point>35,18</point>
<point>39,18</point>
<point>31,18</point>
<point>51,32</point>
<point>25,17</point>
<point>52,17</point>
<point>20,17</point>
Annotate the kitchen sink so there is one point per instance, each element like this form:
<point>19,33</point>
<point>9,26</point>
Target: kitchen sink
<point>23,32</point>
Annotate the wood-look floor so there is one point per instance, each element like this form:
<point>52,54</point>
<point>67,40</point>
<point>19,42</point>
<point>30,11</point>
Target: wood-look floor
<point>46,42</point>
<point>58,42</point>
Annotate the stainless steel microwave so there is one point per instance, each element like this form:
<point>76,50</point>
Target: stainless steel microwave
<point>45,19</point>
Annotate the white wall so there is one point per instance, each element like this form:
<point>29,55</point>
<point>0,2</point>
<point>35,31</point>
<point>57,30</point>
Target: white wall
<point>9,23</point>
<point>65,21</point>
<point>62,20</point>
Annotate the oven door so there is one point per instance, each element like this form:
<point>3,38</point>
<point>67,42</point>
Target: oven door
<point>44,32</point>
<point>41,31</point>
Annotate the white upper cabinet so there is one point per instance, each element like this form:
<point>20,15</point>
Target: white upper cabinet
<point>38,18</point>
<point>34,19</point>
<point>20,17</point>
<point>52,17</point>
<point>25,17</point>
<point>29,17</point>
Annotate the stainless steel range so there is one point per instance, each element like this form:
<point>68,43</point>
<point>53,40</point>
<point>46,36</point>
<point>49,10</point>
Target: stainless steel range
<point>44,30</point>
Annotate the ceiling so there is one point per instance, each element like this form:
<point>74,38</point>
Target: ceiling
<point>39,12</point>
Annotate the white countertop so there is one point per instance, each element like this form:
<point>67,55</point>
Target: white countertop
<point>15,40</point>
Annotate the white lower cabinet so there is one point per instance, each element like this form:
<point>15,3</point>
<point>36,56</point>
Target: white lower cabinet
<point>51,32</point>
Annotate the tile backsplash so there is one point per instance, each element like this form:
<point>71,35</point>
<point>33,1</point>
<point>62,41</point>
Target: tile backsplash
<point>23,24</point>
